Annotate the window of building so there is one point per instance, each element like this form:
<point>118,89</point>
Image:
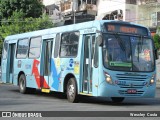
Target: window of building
<point>47,11</point>
<point>131,2</point>
<point>22,48</point>
<point>69,44</point>
<point>50,12</point>
<point>35,47</point>
<point>65,5</point>
<point>90,2</point>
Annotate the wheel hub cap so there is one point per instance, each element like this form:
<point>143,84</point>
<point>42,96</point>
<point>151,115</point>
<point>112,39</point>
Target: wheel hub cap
<point>71,90</point>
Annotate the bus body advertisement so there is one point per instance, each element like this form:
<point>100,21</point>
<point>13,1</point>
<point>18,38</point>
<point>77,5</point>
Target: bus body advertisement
<point>98,58</point>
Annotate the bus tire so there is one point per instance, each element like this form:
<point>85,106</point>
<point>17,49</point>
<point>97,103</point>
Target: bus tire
<point>117,99</point>
<point>22,84</point>
<point>72,91</point>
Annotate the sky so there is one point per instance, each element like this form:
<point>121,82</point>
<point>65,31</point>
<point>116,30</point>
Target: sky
<point>48,2</point>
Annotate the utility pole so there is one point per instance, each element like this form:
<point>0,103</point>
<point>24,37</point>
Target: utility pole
<point>74,8</point>
<point>156,15</point>
<point>74,14</point>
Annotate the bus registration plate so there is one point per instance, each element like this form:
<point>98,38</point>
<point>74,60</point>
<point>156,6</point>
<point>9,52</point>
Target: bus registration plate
<point>131,91</point>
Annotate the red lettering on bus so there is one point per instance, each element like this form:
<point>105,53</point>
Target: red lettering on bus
<point>111,28</point>
<point>128,29</point>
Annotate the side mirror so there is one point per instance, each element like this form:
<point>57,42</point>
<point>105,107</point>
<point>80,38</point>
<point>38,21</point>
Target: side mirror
<point>99,39</point>
<point>156,54</point>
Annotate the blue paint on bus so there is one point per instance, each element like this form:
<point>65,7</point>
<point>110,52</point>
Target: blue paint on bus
<point>55,76</point>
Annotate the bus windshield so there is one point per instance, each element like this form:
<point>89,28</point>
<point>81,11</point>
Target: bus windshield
<point>128,53</point>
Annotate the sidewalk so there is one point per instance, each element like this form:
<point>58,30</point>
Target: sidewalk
<point>158,72</point>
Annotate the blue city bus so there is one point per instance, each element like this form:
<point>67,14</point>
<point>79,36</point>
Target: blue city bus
<point>103,58</point>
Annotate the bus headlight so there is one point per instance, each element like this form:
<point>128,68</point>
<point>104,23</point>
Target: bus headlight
<point>152,80</point>
<point>108,78</point>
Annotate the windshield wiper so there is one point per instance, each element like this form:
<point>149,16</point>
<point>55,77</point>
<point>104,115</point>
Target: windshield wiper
<point>120,41</point>
<point>140,40</point>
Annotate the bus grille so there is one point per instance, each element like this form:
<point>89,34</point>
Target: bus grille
<point>133,86</point>
<point>136,81</point>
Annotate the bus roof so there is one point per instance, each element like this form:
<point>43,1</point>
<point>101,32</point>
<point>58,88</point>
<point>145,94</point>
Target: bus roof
<point>66,28</point>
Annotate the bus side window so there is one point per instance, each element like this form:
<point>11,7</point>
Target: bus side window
<point>69,44</point>
<point>22,48</point>
<point>35,46</point>
<point>64,45</point>
<point>57,43</point>
<point>74,39</point>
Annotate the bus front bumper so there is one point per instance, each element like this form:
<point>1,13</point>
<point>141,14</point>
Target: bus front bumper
<point>107,90</point>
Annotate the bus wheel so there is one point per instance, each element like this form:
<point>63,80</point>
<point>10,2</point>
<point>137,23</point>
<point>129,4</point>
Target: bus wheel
<point>22,84</point>
<point>117,99</point>
<point>72,91</point>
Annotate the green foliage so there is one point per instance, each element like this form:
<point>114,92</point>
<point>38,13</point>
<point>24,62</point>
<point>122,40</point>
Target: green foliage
<point>18,24</point>
<point>18,16</point>
<point>156,39</point>
<point>30,8</point>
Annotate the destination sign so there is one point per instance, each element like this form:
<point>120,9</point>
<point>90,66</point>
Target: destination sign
<point>124,28</point>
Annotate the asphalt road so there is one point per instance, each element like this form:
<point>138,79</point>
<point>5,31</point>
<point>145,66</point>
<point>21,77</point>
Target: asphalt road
<point>12,100</point>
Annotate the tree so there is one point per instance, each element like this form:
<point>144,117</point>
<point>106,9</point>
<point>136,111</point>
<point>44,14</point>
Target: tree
<point>18,24</point>
<point>156,39</point>
<point>30,8</point>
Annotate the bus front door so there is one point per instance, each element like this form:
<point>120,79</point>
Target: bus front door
<point>89,42</point>
<point>10,63</point>
<point>45,68</point>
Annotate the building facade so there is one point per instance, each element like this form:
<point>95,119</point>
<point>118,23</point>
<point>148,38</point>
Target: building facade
<point>71,11</point>
<point>144,12</point>
<point>149,13</point>
<point>112,9</point>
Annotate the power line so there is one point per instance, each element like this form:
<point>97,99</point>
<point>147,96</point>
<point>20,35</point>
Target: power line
<point>17,21</point>
<point>77,19</point>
